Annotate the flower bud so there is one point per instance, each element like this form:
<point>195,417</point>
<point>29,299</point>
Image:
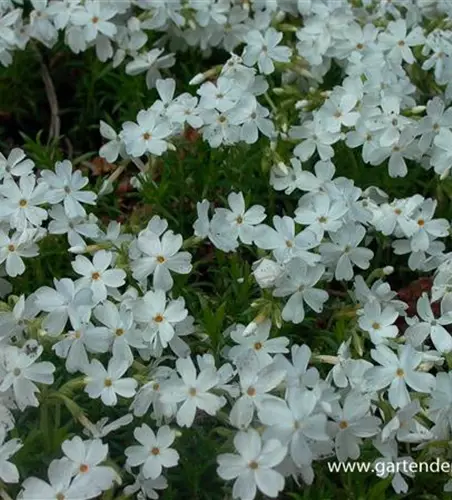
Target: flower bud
<point>418,109</point>
<point>283,167</point>
<point>198,79</point>
<point>445,174</point>
<point>387,270</point>
<point>301,104</point>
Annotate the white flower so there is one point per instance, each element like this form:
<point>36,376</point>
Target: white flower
<point>284,243</point>
<point>427,228</point>
<point>159,317</point>
<point>149,394</point>
<point>298,282</point>
<point>160,257</point>
<point>241,220</point>
<point>85,457</point>
<point>322,214</point>
<point>257,121</point>
<point>185,110</point>
<point>66,186</point>
<point>264,49</point>
<point>352,423</point>
<point>397,372</point>
<point>344,251</point>
<point>295,423</point>
<point>114,147</point>
<point>61,12</point>
<point>75,344</point>
<point>16,165</point>
<point>338,111</point>
<point>396,40</point>
<point>390,463</point>
<point>8,471</point>
<point>107,383</point>
<point>315,138</point>
<point>19,370</point>
<point>94,16</point>
<point>179,347</point>
<point>76,227</point>
<point>223,95</point>
<point>41,26</point>
<point>267,272</point>
<point>7,404</point>
<point>62,485</point>
<point>404,147</point>
<point>122,329</point>
<point>96,275</point>
<point>396,217</point>
<point>102,428</point>
<point>147,135</point>
<point>298,375</point>
<point>146,487</point>
<point>259,341</point>
<point>440,405</point>
<point>378,322</point>
<point>13,324</point>
<point>287,179</point>
<point>255,384</point>
<point>431,124</point>
<point>404,427</point>
<point>253,466</point>
<point>218,230</point>
<point>19,205</point>
<point>67,301</point>
<point>12,249</point>
<point>151,62</point>
<point>380,291</point>
<point>442,152</point>
<point>223,128</point>
<point>154,451</point>
<point>193,389</point>
<point>418,332</point>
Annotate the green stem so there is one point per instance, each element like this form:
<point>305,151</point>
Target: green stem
<point>271,103</point>
<point>44,423</point>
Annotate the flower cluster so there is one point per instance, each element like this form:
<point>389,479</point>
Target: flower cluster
<point>116,329</point>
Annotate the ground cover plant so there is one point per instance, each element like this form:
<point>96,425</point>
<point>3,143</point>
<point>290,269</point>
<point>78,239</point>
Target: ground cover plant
<point>225,248</point>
